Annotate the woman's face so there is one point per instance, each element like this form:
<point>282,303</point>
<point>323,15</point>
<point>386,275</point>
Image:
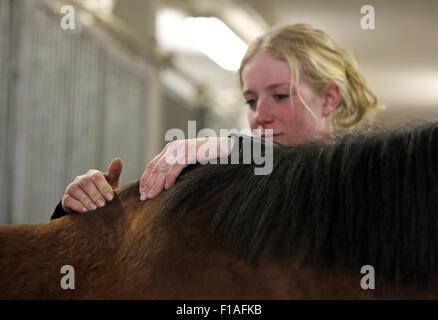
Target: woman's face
<point>266,85</point>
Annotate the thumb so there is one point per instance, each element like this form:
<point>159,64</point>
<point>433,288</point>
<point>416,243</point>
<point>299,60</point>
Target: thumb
<point>114,171</point>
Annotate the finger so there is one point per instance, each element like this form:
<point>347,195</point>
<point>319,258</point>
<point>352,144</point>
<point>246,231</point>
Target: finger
<point>145,177</point>
<point>114,171</point>
<point>71,204</point>
<point>149,168</point>
<point>148,183</point>
<point>96,193</point>
<point>170,181</point>
<point>91,190</point>
<point>102,185</point>
<point>158,185</point>
<point>172,175</point>
<point>74,190</point>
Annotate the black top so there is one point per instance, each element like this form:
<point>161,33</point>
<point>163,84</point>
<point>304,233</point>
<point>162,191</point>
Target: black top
<point>237,147</point>
<point>59,212</point>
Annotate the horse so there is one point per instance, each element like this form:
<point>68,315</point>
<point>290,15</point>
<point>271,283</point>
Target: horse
<point>304,231</point>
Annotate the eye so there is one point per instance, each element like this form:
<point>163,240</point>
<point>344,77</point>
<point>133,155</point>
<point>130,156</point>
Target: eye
<point>251,102</point>
<point>281,96</point>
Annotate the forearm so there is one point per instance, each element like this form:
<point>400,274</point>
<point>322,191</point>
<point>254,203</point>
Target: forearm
<point>59,212</point>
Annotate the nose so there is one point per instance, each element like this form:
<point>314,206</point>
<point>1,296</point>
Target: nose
<point>263,113</point>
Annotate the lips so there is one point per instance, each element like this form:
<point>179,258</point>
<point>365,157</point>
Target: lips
<point>274,135</point>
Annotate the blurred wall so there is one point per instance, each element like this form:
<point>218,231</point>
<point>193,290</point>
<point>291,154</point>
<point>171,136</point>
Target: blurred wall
<point>70,101</point>
<point>4,53</point>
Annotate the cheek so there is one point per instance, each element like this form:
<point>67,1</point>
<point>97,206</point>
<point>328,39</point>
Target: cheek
<point>299,115</point>
<point>285,115</point>
<point>294,122</point>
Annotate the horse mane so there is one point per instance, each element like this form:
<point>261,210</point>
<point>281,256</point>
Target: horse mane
<point>367,198</point>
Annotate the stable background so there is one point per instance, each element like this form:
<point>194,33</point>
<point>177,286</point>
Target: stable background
<point>72,100</point>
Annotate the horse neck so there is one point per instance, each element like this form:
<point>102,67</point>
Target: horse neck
<point>187,265</point>
<point>123,251</point>
<point>31,256</point>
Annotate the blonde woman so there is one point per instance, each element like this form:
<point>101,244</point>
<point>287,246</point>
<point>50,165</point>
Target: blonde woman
<point>295,80</point>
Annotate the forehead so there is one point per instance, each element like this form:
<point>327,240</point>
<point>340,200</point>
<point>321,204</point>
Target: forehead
<point>262,70</point>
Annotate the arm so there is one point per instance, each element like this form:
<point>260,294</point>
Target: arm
<point>59,212</point>
<point>163,170</point>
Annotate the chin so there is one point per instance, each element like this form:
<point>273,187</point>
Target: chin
<point>281,139</point>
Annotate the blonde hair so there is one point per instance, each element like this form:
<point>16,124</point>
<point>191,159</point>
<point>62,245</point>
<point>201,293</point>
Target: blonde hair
<point>313,54</point>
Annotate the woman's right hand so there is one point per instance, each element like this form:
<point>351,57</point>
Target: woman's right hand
<point>163,170</point>
<point>89,191</point>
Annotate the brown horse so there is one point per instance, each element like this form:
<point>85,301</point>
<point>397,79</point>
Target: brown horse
<point>301,232</point>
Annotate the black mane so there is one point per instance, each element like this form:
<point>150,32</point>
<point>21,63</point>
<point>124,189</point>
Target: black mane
<point>368,198</point>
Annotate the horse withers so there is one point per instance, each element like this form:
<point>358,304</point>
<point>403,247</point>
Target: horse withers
<point>302,232</point>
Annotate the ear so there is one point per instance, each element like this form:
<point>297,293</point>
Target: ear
<point>332,97</point>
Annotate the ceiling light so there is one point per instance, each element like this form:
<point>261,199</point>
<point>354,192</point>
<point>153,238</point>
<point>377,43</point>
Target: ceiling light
<point>216,40</point>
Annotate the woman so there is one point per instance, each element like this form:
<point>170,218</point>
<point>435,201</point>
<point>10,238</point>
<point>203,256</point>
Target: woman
<point>295,80</point>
